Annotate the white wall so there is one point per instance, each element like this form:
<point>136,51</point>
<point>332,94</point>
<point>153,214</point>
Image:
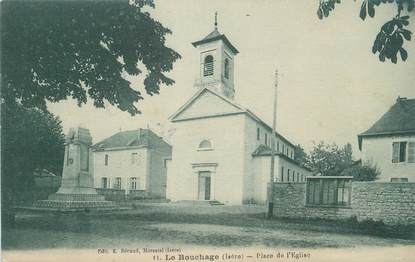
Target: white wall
<point>378,150</point>
<point>261,177</point>
<point>262,172</point>
<point>293,168</point>
<point>280,145</point>
<point>226,135</point>
<point>234,140</point>
<point>253,166</point>
<point>119,165</point>
<point>208,104</point>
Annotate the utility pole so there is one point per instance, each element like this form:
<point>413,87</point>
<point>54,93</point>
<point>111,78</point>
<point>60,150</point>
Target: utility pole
<point>274,124</point>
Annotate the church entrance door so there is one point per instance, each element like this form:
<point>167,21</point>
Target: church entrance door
<point>204,185</point>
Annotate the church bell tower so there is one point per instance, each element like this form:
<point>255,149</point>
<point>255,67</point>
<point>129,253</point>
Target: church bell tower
<point>216,63</point>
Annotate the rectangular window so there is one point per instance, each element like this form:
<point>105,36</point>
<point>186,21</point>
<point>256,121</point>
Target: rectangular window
<point>266,139</point>
<point>134,158</point>
<point>278,146</point>
<point>398,152</point>
<point>282,174</point>
<point>411,152</point>
<point>106,160</point>
<point>104,182</point>
<point>117,184</point>
<point>298,177</point>
<point>258,134</point>
<point>329,191</point>
<point>288,174</point>
<point>134,183</point>
<point>400,179</point>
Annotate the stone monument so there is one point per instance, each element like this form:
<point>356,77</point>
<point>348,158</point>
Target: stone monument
<point>77,189</point>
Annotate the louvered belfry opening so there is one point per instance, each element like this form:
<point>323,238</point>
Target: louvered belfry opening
<point>208,66</point>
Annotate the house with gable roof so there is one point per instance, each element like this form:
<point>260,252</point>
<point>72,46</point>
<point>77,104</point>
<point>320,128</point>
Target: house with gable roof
<point>390,142</point>
<point>221,150</point>
<point>134,161</point>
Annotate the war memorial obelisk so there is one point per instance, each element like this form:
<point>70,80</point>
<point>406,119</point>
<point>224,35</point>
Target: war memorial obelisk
<point>77,190</point>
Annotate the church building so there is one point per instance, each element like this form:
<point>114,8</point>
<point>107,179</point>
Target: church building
<point>221,150</point>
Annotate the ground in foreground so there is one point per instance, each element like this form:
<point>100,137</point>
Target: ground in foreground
<point>155,225</point>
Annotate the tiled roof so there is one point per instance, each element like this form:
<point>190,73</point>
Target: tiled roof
<point>216,35</point>
<point>139,137</point>
<point>213,34</point>
<point>398,120</point>
<point>263,150</point>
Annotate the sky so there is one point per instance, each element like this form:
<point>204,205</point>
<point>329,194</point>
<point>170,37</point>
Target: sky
<point>331,86</point>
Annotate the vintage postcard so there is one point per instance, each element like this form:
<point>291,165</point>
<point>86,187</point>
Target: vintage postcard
<point>207,130</point>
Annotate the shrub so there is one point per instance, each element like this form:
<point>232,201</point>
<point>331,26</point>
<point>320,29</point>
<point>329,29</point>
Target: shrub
<point>362,172</point>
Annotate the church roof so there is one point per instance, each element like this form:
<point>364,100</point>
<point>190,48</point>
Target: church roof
<point>263,150</point>
<point>214,36</point>
<point>398,120</point>
<point>131,138</point>
<point>241,110</point>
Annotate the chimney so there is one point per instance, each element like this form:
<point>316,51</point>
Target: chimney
<point>400,99</point>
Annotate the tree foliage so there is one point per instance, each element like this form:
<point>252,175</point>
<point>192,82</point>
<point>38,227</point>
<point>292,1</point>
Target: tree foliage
<point>300,156</point>
<point>52,50</point>
<point>390,40</point>
<point>362,172</point>
<point>330,159</point>
<point>31,139</point>
<point>334,160</point>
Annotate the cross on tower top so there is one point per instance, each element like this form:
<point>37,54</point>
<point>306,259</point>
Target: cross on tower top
<point>216,20</point>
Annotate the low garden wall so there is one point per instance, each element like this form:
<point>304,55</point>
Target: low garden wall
<point>112,194</point>
<point>121,195</point>
<point>391,203</point>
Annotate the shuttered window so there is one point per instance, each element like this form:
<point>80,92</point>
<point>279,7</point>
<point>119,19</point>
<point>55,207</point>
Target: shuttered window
<point>399,152</point>
<point>104,182</point>
<point>134,183</point>
<point>395,152</point>
<point>411,152</point>
<point>208,66</point>
<point>402,151</point>
<point>226,68</point>
<point>117,184</point>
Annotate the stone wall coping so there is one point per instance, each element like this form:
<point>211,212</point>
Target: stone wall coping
<point>328,206</point>
<point>357,182</point>
<point>278,182</point>
<point>318,177</point>
<point>382,182</point>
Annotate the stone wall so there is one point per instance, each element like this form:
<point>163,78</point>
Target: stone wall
<point>392,203</point>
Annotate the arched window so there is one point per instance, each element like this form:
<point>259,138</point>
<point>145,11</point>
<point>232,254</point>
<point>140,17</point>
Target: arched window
<point>226,68</point>
<point>208,66</point>
<point>205,145</point>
